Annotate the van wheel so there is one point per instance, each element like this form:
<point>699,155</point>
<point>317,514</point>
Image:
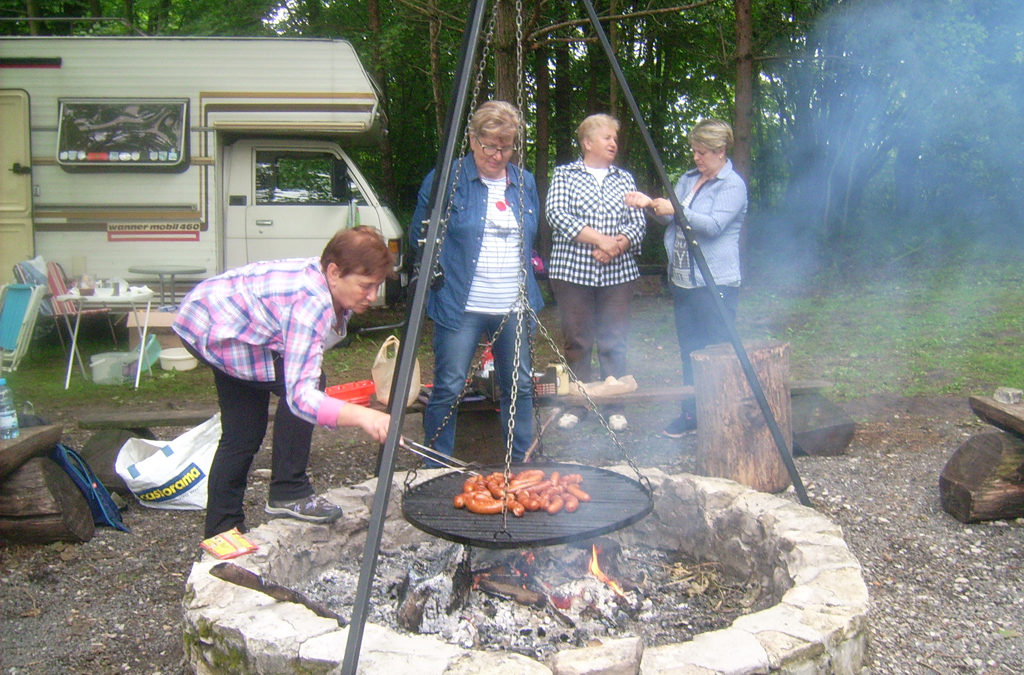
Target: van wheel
<point>394,291</point>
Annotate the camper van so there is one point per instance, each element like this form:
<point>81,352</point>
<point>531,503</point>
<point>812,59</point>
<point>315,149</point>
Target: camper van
<point>210,153</point>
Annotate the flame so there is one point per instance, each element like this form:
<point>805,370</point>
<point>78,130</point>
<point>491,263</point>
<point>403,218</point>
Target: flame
<point>595,569</point>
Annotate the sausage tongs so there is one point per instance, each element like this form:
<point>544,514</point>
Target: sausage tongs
<point>434,456</point>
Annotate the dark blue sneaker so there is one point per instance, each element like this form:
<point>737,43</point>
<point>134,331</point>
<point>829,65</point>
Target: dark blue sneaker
<point>314,509</point>
<point>678,427</point>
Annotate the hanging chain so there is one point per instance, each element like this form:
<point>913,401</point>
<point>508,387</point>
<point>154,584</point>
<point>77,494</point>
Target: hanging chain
<point>522,304</point>
<point>593,406</point>
<point>475,96</point>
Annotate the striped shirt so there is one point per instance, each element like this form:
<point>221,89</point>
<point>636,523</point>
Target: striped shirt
<point>576,199</point>
<point>238,321</point>
<point>496,282</point>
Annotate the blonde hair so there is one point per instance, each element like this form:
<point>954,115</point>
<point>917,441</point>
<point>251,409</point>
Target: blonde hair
<point>594,122</point>
<point>713,134</point>
<point>496,118</point>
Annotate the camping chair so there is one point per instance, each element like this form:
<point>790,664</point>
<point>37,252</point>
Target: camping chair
<point>66,309</point>
<point>19,307</point>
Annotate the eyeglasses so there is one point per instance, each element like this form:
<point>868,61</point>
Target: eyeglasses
<point>492,150</point>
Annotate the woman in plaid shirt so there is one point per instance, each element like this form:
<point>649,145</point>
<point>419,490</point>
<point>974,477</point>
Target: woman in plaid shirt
<point>595,239</point>
<point>263,328</point>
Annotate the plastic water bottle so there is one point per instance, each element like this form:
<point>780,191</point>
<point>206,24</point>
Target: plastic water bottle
<point>8,413</point>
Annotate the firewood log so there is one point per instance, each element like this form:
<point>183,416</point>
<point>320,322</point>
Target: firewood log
<point>39,503</point>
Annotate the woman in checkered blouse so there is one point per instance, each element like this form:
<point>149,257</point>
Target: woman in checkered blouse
<point>593,269</point>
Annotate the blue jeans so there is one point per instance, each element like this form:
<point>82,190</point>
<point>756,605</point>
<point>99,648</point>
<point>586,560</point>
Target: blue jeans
<point>453,354</point>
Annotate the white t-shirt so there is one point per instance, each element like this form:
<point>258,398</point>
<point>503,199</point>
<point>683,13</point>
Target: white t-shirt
<point>496,282</point>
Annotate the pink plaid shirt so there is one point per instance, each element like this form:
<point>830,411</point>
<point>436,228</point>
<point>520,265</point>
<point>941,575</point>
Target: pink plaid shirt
<point>240,319</point>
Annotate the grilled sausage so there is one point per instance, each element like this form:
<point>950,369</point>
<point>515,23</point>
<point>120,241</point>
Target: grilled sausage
<point>577,492</point>
<point>480,503</point>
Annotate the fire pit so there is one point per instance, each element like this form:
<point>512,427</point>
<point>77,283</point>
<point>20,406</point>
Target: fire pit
<point>816,621</point>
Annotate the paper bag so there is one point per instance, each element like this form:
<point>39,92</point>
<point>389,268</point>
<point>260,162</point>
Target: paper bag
<point>383,372</point>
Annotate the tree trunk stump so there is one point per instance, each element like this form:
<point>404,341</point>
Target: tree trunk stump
<point>32,442</point>
<point>733,438</point>
<point>980,481</point>
<point>39,503</point>
<point>101,451</point>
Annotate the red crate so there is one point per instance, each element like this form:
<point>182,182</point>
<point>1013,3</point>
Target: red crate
<point>353,392</point>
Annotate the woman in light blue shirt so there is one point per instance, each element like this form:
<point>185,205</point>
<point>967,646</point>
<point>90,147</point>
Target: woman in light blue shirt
<point>714,201</point>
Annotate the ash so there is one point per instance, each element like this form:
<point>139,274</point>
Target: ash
<point>538,601</point>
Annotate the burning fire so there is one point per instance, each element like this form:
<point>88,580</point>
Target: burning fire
<point>595,569</point>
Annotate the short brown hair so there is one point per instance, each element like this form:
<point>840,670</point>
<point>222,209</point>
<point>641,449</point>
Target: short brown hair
<point>712,134</point>
<point>497,118</point>
<point>359,250</point>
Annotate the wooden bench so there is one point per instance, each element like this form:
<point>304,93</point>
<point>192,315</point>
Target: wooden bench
<point>142,421</point>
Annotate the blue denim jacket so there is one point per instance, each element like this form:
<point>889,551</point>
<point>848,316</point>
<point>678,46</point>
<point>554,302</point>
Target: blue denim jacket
<point>716,216</point>
<point>461,247</point>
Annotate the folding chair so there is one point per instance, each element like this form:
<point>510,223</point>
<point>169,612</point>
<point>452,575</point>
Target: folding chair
<point>19,307</point>
<point>67,309</point>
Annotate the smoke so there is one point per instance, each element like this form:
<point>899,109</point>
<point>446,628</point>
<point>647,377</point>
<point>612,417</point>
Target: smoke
<point>899,125</point>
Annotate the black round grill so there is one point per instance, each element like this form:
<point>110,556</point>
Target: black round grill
<point>616,501</point>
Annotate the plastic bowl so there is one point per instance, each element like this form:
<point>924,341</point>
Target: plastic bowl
<point>177,358</point>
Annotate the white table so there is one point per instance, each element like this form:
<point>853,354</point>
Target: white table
<point>135,302</point>
<point>164,272</point>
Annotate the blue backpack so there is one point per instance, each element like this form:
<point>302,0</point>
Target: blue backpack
<point>104,511</point>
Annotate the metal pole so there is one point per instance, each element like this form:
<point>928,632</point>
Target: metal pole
<point>698,257</point>
<point>407,350</point>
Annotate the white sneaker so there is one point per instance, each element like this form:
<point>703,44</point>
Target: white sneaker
<point>618,422</point>
<point>568,421</point>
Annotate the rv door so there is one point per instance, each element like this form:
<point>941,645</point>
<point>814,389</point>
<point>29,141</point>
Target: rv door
<point>16,181</point>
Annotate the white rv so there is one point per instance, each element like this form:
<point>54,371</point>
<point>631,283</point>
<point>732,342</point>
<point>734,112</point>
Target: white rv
<point>204,152</point>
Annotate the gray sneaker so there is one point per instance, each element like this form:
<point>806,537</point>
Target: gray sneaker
<point>314,509</point>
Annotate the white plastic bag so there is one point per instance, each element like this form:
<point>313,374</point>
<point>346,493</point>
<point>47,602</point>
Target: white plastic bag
<point>383,372</point>
<point>170,474</point>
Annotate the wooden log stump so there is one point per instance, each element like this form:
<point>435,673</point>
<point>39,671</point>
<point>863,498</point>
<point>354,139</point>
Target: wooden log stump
<point>39,503</point>
<point>100,451</point>
<point>980,481</point>
<point>820,427</point>
<point>733,438</point>
<point>32,442</point>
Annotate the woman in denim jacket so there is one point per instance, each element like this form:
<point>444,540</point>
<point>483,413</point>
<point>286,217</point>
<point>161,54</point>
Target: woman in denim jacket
<point>487,245</point>
<point>714,201</point>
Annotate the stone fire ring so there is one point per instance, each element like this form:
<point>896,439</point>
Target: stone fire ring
<point>818,624</point>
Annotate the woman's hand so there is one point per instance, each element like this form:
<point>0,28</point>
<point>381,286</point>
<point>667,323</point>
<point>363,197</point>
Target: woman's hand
<point>373,422</point>
<point>637,200</point>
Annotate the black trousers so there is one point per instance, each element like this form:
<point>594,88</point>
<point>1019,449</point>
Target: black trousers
<point>243,417</point>
<point>698,324</point>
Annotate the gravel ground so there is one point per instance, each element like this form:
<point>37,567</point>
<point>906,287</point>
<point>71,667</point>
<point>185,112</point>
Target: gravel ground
<point>946,597</point>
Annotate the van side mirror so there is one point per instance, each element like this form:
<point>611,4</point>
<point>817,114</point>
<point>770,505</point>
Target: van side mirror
<point>341,189</point>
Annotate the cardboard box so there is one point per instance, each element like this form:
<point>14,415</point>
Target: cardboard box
<point>159,325</point>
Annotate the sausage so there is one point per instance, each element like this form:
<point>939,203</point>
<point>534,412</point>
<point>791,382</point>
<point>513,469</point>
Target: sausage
<point>479,503</point>
<point>555,505</point>
<point>554,477</point>
<point>571,503</point>
<point>577,492</point>
<point>529,474</point>
<point>459,501</point>
<point>522,483</point>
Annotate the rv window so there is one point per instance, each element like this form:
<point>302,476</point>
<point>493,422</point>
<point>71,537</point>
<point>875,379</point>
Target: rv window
<point>288,177</point>
<point>123,134</point>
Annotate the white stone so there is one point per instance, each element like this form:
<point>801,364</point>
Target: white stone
<point>611,657</point>
<point>496,663</point>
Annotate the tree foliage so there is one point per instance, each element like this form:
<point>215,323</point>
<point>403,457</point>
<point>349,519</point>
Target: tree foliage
<point>875,129</point>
